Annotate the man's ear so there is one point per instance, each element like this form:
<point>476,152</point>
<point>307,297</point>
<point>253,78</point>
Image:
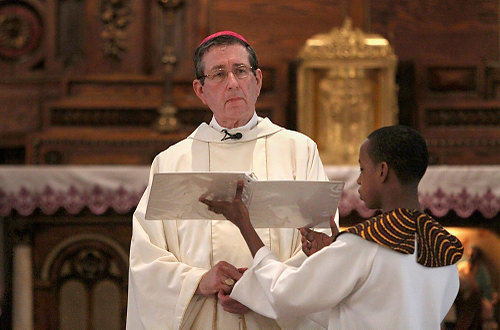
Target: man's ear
<point>383,171</point>
<point>198,89</point>
<point>258,77</point>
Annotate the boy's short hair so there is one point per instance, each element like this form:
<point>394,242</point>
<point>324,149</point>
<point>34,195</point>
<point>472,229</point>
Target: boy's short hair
<point>403,149</point>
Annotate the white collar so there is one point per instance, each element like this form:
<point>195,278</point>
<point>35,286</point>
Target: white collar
<point>248,126</point>
<point>206,133</point>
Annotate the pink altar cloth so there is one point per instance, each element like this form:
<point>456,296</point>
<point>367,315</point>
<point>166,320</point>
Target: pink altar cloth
<point>463,189</point>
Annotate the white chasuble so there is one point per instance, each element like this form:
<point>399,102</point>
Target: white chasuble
<point>168,258</point>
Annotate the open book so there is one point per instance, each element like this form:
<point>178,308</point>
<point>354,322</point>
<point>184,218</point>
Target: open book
<point>274,204</point>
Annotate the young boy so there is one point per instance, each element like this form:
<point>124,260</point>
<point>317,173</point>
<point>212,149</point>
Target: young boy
<point>393,271</point>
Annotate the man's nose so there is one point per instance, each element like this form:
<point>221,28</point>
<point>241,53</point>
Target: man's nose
<point>232,81</point>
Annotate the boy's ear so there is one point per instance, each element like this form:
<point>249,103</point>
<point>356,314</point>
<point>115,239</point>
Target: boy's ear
<point>383,171</point>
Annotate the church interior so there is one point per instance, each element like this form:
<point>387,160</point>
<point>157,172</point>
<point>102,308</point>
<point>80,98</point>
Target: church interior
<point>92,90</point>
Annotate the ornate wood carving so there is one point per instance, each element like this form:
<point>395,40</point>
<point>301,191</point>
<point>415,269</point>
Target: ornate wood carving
<point>20,30</point>
<point>346,89</point>
<point>463,117</point>
<point>86,258</point>
<point>103,117</point>
<point>453,48</point>
<point>346,43</point>
<point>167,121</point>
<point>116,16</point>
<point>86,146</point>
<point>463,142</point>
<point>492,76</point>
<point>449,79</point>
<point>71,31</point>
<point>90,265</point>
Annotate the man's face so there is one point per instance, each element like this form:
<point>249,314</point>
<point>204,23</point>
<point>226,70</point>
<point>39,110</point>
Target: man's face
<point>367,180</point>
<point>232,101</point>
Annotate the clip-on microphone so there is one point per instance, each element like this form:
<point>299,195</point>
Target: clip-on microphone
<point>227,135</point>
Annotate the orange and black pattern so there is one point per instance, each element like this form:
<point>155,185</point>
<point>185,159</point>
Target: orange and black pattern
<point>396,230</point>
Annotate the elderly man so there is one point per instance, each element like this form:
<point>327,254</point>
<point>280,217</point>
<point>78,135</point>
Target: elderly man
<point>181,272</point>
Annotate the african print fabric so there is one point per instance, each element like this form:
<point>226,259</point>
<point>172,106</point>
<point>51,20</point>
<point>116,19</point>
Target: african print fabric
<point>398,230</point>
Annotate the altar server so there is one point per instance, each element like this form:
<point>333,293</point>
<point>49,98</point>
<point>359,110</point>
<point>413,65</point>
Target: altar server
<point>394,271</point>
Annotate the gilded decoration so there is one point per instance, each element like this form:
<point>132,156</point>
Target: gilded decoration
<point>346,43</point>
<point>20,31</point>
<point>116,16</point>
<point>345,97</point>
<point>346,89</point>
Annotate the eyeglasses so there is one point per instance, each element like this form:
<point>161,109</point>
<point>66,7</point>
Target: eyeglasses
<point>220,75</point>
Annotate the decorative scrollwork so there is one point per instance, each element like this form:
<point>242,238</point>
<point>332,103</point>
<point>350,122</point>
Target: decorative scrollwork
<point>167,121</point>
<point>344,43</point>
<point>171,4</point>
<point>347,118</point>
<point>116,16</point>
<point>169,58</point>
<point>14,32</point>
<point>463,117</point>
<point>90,264</point>
<point>20,30</point>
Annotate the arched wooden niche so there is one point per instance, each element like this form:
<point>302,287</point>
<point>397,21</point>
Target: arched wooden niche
<point>346,89</point>
<point>85,281</point>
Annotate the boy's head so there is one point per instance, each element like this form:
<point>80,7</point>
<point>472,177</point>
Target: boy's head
<point>401,150</point>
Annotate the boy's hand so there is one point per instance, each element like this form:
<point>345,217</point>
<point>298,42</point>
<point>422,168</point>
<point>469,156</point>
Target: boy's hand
<point>230,305</point>
<point>237,213</point>
<point>313,241</point>
<point>234,211</point>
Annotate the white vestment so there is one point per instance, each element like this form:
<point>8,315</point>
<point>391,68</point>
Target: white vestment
<point>168,258</point>
<point>351,284</point>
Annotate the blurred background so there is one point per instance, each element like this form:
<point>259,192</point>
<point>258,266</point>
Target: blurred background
<point>92,90</point>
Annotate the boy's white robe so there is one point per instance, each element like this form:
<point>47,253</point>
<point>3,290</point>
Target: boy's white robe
<point>351,284</point>
<point>168,258</point>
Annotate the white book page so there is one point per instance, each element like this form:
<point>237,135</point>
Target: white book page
<point>274,204</point>
<point>175,196</point>
<point>294,204</point>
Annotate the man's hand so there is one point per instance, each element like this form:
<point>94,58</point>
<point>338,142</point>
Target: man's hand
<point>313,241</point>
<point>220,278</point>
<point>229,304</point>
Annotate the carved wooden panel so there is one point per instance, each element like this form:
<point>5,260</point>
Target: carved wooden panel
<point>85,249</point>
<point>21,36</point>
<point>450,79</point>
<point>454,49</point>
<point>438,30</point>
<point>105,64</point>
<point>94,146</point>
<point>20,113</point>
<point>492,76</point>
